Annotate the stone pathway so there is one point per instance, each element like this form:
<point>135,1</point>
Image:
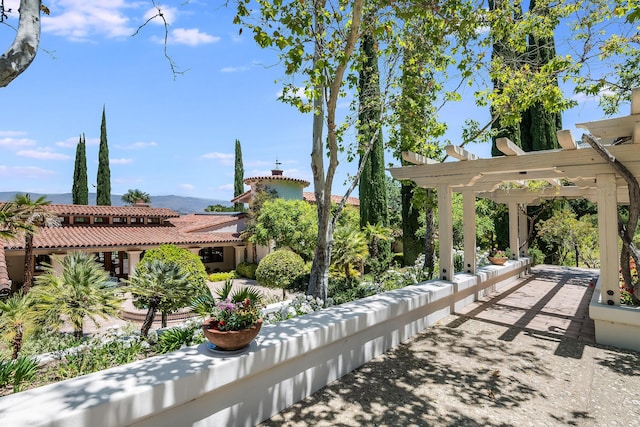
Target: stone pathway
<point>522,357</point>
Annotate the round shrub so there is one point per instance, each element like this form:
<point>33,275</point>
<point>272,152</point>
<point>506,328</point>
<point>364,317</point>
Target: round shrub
<point>280,269</point>
<point>221,277</point>
<point>189,263</point>
<point>247,269</point>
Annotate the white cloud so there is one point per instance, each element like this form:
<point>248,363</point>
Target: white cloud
<point>226,187</point>
<point>11,133</point>
<point>187,187</point>
<point>169,14</point>
<point>224,158</point>
<point>138,145</point>
<point>42,154</point>
<point>120,161</point>
<point>582,98</point>
<point>82,20</point>
<point>16,142</point>
<point>297,92</point>
<point>235,69</point>
<point>30,172</point>
<point>190,37</point>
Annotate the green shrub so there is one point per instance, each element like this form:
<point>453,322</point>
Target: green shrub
<point>537,256</point>
<point>247,269</point>
<point>180,336</point>
<point>280,269</point>
<point>189,263</point>
<point>18,371</point>
<point>221,277</point>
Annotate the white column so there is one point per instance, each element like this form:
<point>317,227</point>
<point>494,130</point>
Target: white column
<point>445,232</point>
<point>514,244</point>
<point>134,259</point>
<point>523,228</point>
<point>608,238</point>
<point>240,251</point>
<point>56,263</point>
<point>469,221</point>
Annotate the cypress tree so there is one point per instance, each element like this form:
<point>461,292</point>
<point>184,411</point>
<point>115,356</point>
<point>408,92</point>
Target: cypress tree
<point>539,127</point>
<point>80,190</point>
<point>103,189</point>
<point>372,185</point>
<point>238,185</point>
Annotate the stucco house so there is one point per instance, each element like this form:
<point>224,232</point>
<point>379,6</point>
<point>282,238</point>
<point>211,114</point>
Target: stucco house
<point>119,235</point>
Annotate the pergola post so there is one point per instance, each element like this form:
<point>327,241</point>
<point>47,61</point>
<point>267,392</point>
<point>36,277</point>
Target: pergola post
<point>134,259</point>
<point>445,231</point>
<point>608,237</point>
<point>523,228</point>
<point>513,230</point>
<point>469,220</point>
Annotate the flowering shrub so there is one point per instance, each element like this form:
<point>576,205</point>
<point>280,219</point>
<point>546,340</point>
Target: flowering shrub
<point>499,253</point>
<point>626,291</point>
<point>299,306</point>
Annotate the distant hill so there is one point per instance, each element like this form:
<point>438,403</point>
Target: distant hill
<point>180,204</point>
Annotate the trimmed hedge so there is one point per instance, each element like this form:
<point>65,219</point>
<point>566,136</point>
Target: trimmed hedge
<point>280,269</point>
<point>247,269</point>
<point>222,276</point>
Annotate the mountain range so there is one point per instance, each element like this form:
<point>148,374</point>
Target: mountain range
<point>180,204</point>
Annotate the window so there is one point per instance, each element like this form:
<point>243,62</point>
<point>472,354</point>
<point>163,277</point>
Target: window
<point>153,220</point>
<point>100,220</point>
<point>81,220</point>
<point>119,220</point>
<point>212,254</point>
<point>135,220</point>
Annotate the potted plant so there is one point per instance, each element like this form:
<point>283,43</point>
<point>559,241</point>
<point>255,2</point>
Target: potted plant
<point>234,318</point>
<point>498,256</point>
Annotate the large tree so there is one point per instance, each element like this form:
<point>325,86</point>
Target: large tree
<point>34,215</point>
<point>80,190</point>
<point>238,177</point>
<point>372,186</point>
<point>22,51</point>
<point>103,187</point>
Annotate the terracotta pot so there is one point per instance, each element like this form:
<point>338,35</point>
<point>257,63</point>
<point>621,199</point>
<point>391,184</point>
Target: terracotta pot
<point>231,340</point>
<point>497,261</point>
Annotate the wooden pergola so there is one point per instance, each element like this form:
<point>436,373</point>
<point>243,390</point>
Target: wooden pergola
<point>574,171</point>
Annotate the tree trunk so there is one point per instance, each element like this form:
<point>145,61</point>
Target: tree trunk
<point>16,343</point>
<point>28,263</point>
<point>148,320</point>
<point>165,318</point>
<point>23,50</point>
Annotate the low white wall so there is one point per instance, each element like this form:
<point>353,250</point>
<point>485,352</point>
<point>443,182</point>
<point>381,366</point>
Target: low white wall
<point>618,326</point>
<point>287,362</point>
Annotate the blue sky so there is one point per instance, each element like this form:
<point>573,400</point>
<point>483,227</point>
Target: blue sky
<point>165,136</point>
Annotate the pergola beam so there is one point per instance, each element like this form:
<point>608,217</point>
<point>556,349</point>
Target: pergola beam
<point>508,147</point>
<point>459,153</point>
<point>417,159</point>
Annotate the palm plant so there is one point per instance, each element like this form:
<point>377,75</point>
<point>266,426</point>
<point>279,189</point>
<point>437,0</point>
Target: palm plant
<point>376,233</point>
<point>33,215</point>
<point>16,320</point>
<point>10,221</point>
<point>135,196</point>
<point>349,248</point>
<point>81,292</point>
<point>204,304</point>
<point>161,286</point>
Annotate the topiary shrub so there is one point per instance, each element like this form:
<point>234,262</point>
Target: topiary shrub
<point>189,263</point>
<point>247,269</point>
<point>280,269</point>
<point>221,277</point>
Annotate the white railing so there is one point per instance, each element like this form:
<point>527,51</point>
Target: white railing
<point>286,363</point>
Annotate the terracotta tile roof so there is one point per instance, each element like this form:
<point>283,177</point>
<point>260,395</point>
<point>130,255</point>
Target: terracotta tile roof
<point>242,198</point>
<point>5,286</point>
<point>132,211</point>
<point>78,237</point>
<point>311,198</point>
<point>197,222</point>
<point>252,179</point>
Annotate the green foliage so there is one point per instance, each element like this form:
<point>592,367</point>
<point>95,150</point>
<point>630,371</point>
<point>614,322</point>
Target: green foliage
<point>289,224</point>
<point>189,263</point>
<point>17,320</point>
<point>222,208</point>
<point>238,177</point>
<point>97,356</point>
<point>103,187</point>
<point>177,337</point>
<point>222,276</point>
<point>80,190</point>
<point>299,306</point>
<point>47,339</point>
<point>349,249</point>
<point>280,269</point>
<point>81,292</point>
<point>247,269</point>
<point>162,285</point>
<point>17,371</point>
<point>342,290</point>
<point>536,255</point>
<point>135,196</point>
